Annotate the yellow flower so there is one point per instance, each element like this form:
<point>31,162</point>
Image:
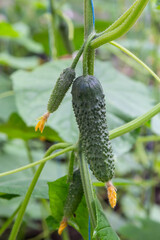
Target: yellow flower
<point>42,121</point>
<point>63,225</point>
<point>112,195</point>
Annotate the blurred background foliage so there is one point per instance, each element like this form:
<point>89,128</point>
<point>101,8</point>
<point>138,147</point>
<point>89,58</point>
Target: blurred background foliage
<point>32,34</point>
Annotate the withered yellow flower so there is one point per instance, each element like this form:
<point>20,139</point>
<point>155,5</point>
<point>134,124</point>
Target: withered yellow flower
<point>41,123</point>
<point>63,225</point>
<point>112,195</point>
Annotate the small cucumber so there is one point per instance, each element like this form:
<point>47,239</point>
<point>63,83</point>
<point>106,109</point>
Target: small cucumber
<point>90,112</point>
<point>74,196</point>
<point>62,85</point>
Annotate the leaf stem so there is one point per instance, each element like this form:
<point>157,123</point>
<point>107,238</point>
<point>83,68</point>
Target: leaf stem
<point>30,158</point>
<point>71,166</point>
<point>135,123</point>
<point>87,186</point>
<point>135,58</point>
<point>24,204</point>
<point>152,138</point>
<point>119,30</point>
<point>45,159</point>
<point>85,54</point>
<point>9,221</point>
<point>88,18</point>
<point>76,59</point>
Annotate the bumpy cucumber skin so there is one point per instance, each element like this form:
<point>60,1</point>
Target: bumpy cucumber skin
<point>74,196</point>
<point>62,85</point>
<point>90,111</point>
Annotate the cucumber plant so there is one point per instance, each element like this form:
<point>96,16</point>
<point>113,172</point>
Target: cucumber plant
<point>94,146</point>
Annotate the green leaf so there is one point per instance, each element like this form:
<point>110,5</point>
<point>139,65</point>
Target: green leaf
<point>144,229</point>
<point>103,229</point>
<point>123,99</point>
<point>19,62</point>
<point>7,99</point>
<point>7,31</point>
<point>58,191</point>
<point>16,128</point>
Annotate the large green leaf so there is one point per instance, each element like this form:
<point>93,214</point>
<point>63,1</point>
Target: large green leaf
<point>58,191</point>
<point>103,229</point>
<point>14,155</point>
<point>123,96</point>
<point>7,102</point>
<point>144,229</point>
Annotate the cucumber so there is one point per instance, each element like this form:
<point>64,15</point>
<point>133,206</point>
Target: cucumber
<point>62,85</point>
<point>74,196</point>
<point>90,112</point>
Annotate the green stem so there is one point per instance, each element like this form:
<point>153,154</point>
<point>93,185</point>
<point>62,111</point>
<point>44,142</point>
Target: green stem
<point>29,155</point>
<point>88,18</point>
<point>135,123</point>
<point>152,138</point>
<point>71,166</point>
<point>87,187</point>
<point>75,61</point>
<point>24,204</point>
<point>8,222</point>
<point>136,59</point>
<point>65,235</point>
<point>50,31</point>
<point>121,29</point>
<point>90,61</point>
<point>45,159</point>
<point>85,54</point>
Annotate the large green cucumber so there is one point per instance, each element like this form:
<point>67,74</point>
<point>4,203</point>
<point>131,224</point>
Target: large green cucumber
<point>90,111</point>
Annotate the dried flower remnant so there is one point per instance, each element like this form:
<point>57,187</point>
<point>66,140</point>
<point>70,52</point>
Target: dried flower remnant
<point>112,195</point>
<point>41,123</point>
<point>63,225</point>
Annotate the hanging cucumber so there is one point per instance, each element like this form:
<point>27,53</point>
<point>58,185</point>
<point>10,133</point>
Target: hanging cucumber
<point>62,85</point>
<point>73,199</point>
<point>89,108</point>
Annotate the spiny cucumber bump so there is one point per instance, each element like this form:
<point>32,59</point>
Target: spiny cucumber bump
<point>90,111</point>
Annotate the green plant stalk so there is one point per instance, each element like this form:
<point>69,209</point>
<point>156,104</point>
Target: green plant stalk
<point>87,186</point>
<point>88,19</point>
<point>29,155</point>
<point>152,138</point>
<point>45,159</point>
<point>9,221</point>
<point>24,204</point>
<point>135,58</point>
<point>123,27</point>
<point>75,61</point>
<point>120,20</point>
<point>71,166</point>
<point>135,123</point>
<point>50,31</point>
<point>90,61</point>
<point>85,55</point>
